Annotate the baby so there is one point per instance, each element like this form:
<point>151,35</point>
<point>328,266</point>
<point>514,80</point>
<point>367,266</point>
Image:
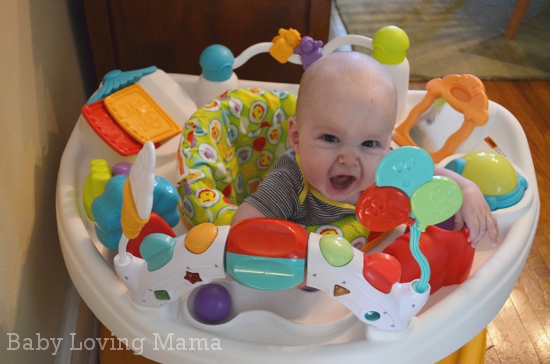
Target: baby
<point>344,122</point>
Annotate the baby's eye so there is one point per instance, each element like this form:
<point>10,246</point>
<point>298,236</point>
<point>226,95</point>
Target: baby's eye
<point>330,138</point>
<point>369,143</point>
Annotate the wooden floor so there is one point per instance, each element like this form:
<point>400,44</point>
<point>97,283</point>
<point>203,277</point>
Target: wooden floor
<point>521,331</point>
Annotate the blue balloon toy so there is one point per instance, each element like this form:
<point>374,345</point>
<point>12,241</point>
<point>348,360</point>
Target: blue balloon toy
<point>405,168</point>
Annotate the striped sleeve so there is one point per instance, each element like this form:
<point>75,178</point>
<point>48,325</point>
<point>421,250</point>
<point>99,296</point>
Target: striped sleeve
<point>277,195</point>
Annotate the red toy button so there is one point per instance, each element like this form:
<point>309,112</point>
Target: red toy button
<point>381,270</point>
<point>270,238</point>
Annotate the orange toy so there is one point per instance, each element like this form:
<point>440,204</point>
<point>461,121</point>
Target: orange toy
<point>465,94</point>
<point>284,44</point>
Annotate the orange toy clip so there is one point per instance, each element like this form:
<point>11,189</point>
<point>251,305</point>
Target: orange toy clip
<point>465,94</point>
<point>284,44</point>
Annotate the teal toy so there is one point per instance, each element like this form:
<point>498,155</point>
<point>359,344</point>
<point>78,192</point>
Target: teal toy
<point>217,63</point>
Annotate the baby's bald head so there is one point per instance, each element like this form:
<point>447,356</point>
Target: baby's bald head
<point>350,73</point>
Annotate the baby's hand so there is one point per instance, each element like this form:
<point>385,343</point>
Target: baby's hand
<point>475,211</point>
<point>476,214</point>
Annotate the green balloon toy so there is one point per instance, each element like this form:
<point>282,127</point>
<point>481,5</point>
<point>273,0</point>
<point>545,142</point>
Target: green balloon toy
<point>435,201</point>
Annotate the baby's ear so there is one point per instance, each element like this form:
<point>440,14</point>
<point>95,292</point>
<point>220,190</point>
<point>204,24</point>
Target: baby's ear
<point>293,135</point>
<point>393,135</point>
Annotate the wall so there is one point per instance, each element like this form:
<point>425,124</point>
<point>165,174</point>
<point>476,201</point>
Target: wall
<point>45,77</point>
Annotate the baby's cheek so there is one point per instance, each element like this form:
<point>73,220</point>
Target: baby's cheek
<point>314,165</point>
<point>369,170</point>
<point>367,181</point>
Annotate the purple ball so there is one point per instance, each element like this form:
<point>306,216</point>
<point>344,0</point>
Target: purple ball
<point>212,302</point>
<point>122,169</point>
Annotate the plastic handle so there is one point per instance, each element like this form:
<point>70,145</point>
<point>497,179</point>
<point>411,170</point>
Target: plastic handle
<point>330,47</point>
<point>352,39</point>
<point>257,49</point>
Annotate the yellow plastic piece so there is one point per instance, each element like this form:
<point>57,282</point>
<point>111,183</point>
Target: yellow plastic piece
<point>284,44</point>
<point>465,94</point>
<point>491,172</point>
<point>471,353</point>
<point>94,184</point>
<point>140,116</point>
<point>199,238</point>
<point>130,220</point>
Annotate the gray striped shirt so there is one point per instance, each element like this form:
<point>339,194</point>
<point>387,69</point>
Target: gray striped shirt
<point>278,196</point>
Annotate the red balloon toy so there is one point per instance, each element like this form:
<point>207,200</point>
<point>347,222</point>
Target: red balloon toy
<point>383,208</point>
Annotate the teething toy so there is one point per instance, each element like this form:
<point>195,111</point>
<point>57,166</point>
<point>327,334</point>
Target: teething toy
<point>466,94</point>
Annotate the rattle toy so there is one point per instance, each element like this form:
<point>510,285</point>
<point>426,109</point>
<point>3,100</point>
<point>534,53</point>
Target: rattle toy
<point>106,208</point>
<point>407,192</point>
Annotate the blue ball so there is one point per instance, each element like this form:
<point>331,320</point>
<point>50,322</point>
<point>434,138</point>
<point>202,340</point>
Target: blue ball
<point>212,303</point>
<point>217,63</point>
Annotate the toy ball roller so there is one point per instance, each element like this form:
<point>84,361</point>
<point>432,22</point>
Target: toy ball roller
<point>212,303</point>
<point>495,176</point>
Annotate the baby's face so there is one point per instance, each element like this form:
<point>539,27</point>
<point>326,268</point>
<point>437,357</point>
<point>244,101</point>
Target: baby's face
<point>340,140</point>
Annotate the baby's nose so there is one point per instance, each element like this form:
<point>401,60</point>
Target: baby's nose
<point>348,158</point>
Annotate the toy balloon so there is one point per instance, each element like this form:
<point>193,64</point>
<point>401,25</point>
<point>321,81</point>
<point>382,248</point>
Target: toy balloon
<point>383,208</point>
<point>435,201</point>
<point>405,168</point>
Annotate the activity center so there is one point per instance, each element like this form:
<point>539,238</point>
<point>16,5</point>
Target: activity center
<point>158,163</point>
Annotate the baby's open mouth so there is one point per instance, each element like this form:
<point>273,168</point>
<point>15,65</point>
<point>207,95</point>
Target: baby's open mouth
<point>342,182</point>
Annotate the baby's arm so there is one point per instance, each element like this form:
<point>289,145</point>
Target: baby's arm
<point>246,211</point>
<point>475,211</point>
<point>277,194</point>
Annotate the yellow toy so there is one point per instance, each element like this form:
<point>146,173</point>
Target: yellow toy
<point>94,184</point>
<point>495,176</point>
<point>284,44</point>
